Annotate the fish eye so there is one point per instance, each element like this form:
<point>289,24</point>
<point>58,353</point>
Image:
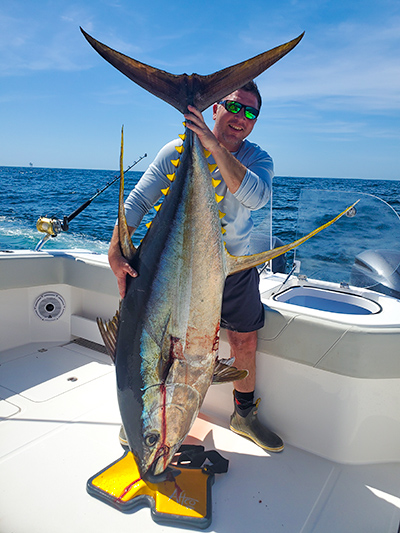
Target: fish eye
<point>151,439</point>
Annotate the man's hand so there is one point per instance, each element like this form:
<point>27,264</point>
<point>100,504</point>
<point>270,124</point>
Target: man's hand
<point>232,171</point>
<point>119,265</point>
<point>121,269</point>
<point>197,124</point>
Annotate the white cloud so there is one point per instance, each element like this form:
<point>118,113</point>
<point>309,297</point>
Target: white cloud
<point>45,39</point>
<point>352,66</point>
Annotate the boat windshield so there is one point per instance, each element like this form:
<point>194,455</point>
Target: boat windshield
<point>362,248</point>
<point>261,237</point>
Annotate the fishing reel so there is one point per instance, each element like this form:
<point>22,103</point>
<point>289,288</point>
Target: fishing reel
<point>50,226</point>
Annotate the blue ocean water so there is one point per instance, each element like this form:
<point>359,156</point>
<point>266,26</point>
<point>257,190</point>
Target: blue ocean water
<point>28,193</point>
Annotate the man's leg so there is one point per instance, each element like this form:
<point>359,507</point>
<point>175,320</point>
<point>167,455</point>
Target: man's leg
<point>244,420</point>
<point>243,349</point>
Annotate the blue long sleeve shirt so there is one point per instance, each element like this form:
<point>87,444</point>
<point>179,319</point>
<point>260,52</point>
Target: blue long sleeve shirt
<point>253,193</point>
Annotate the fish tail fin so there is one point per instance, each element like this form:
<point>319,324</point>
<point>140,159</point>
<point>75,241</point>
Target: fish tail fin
<point>183,90</point>
<point>237,264</point>
<point>125,241</point>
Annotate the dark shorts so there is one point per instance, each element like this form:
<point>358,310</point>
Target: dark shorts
<point>242,309</point>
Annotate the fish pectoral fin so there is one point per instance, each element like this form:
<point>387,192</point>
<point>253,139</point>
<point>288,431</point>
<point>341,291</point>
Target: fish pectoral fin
<point>224,373</point>
<point>237,264</point>
<point>109,332</point>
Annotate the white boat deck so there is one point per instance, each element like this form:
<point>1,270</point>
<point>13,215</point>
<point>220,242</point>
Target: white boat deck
<point>59,424</point>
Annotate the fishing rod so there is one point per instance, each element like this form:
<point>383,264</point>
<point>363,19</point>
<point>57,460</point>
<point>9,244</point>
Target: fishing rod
<point>53,226</point>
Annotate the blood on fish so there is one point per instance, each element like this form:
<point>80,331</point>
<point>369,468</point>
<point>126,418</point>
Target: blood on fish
<point>176,352</point>
<point>163,449</point>
<point>216,339</point>
<point>176,349</point>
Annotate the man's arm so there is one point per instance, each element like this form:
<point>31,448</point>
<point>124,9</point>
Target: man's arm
<point>119,265</point>
<point>140,200</point>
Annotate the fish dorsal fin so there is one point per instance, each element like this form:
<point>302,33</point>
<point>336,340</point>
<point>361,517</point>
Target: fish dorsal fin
<point>236,264</point>
<point>109,332</point>
<point>182,90</point>
<point>125,241</point>
<point>224,373</point>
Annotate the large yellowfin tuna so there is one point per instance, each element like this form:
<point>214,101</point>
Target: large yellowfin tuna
<point>165,337</point>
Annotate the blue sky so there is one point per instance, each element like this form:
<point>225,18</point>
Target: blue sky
<point>331,107</point>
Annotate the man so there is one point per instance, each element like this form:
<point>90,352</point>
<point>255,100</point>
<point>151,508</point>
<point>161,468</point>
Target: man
<point>246,173</point>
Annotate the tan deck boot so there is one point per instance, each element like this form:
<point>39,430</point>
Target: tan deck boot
<point>249,426</point>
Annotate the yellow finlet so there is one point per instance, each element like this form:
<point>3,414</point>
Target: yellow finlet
<point>182,136</point>
<point>157,207</point>
<point>171,177</point>
<point>165,191</point>
<point>211,168</point>
<point>176,162</point>
<point>179,149</point>
<point>218,198</point>
<point>223,230</point>
<point>148,224</point>
<point>221,215</point>
<point>207,153</point>
<point>215,182</point>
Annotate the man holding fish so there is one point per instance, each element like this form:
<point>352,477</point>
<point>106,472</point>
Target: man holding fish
<point>243,176</point>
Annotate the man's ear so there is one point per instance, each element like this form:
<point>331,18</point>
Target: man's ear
<point>215,107</point>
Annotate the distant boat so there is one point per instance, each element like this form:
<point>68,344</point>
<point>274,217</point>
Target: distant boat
<point>31,164</point>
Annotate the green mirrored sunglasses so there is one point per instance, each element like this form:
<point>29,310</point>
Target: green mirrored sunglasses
<point>234,107</point>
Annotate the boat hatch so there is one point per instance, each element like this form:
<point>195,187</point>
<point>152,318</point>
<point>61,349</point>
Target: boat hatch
<point>328,300</point>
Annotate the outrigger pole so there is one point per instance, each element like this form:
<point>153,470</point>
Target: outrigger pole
<point>53,226</point>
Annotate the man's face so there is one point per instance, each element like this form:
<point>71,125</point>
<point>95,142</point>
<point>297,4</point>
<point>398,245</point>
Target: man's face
<point>231,129</point>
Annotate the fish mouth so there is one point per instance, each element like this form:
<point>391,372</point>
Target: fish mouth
<point>157,472</point>
<point>160,461</point>
<point>161,452</point>
<point>169,474</point>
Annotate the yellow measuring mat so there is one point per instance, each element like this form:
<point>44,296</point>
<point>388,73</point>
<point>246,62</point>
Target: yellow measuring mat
<point>184,498</point>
